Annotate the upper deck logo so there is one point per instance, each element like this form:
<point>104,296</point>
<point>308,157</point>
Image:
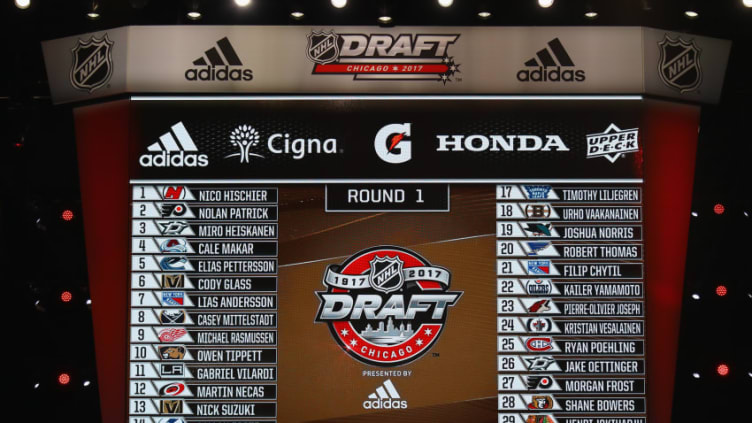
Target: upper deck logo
<point>323,47</point>
<point>386,306</point>
<point>612,143</point>
<point>92,63</point>
<point>679,64</point>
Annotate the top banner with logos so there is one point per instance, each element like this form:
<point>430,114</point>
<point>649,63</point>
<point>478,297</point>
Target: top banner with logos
<point>415,60</point>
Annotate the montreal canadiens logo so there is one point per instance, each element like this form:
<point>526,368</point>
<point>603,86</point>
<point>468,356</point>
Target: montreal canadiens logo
<point>386,306</point>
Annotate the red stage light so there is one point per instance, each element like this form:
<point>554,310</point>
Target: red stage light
<point>66,296</point>
<point>722,369</point>
<point>67,215</point>
<point>721,290</point>
<point>719,208</point>
<point>63,379</point>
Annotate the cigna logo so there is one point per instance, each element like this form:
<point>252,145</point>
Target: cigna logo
<point>175,148</point>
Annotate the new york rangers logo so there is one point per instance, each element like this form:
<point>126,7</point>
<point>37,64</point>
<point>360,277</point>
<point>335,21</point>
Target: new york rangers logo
<point>679,64</point>
<point>386,306</point>
<point>323,47</point>
<point>92,63</point>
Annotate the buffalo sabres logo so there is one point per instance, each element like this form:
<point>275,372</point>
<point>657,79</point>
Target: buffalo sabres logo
<point>679,64</point>
<point>323,47</point>
<point>92,63</point>
<point>386,306</point>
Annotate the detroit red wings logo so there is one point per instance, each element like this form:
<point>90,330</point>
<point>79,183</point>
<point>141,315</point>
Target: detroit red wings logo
<point>386,306</point>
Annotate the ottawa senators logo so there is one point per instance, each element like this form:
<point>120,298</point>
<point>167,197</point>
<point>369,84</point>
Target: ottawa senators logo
<point>386,306</point>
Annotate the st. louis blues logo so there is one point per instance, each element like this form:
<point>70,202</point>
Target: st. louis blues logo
<point>92,63</point>
<point>386,306</point>
<point>679,64</point>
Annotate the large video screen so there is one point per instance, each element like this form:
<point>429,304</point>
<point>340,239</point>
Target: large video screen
<point>348,259</point>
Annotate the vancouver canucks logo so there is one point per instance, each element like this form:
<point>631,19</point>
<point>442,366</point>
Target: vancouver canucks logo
<point>244,137</point>
<point>679,64</point>
<point>386,305</point>
<point>92,63</point>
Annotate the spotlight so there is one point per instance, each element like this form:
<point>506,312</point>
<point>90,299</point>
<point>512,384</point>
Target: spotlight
<point>86,383</point>
<point>445,3</point>
<point>695,296</point>
<point>297,15</point>
<point>691,14</point>
<point>694,214</point>
<point>36,385</point>
<point>722,369</point>
<point>339,4</point>
<point>23,4</point>
<point>746,3</point>
<point>67,215</point>
<point>63,379</point>
<point>243,3</point>
<point>385,20</point>
<point>696,375</point>
<point>88,302</point>
<point>721,290</point>
<point>194,15</point>
<point>484,15</point>
<point>66,296</point>
<point>719,208</point>
<point>591,14</point>
<point>545,3</point>
<point>93,12</point>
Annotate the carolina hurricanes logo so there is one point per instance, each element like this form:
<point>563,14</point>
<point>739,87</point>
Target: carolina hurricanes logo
<point>386,306</point>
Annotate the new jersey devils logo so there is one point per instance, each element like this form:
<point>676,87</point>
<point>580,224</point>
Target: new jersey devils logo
<point>386,306</point>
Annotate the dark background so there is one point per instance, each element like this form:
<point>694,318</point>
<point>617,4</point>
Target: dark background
<point>44,255</point>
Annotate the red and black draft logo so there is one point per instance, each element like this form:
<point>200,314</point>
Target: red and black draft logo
<point>383,57</point>
<point>386,306</point>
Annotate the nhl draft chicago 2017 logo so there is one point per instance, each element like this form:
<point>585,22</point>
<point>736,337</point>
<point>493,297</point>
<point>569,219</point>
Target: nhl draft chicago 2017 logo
<point>386,305</point>
<point>92,63</point>
<point>679,64</point>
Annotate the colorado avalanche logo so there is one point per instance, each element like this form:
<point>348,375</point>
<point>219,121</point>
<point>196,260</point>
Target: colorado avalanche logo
<point>386,306</point>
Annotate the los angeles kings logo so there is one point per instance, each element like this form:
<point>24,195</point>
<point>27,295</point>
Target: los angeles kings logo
<point>386,305</point>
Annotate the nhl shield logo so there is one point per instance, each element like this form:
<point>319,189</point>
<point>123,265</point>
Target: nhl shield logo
<point>679,64</point>
<point>386,274</point>
<point>323,47</point>
<point>92,63</point>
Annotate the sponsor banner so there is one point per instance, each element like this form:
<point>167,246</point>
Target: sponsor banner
<point>309,59</point>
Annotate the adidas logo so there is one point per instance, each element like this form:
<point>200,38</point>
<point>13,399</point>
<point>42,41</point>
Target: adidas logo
<point>219,67</point>
<point>549,63</point>
<point>385,397</point>
<point>171,149</point>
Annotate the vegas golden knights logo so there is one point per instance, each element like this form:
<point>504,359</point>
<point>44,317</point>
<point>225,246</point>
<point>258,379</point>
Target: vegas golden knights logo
<point>173,281</point>
<point>171,406</point>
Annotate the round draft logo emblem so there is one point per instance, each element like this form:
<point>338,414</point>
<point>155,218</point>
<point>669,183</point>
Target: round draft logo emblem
<point>386,305</point>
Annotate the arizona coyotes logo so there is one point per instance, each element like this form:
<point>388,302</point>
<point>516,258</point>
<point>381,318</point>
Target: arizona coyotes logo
<point>92,63</point>
<point>386,306</point>
<point>322,47</point>
<point>679,65</point>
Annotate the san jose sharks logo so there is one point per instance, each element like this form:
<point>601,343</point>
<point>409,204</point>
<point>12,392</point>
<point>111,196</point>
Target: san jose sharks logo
<point>92,63</point>
<point>679,64</point>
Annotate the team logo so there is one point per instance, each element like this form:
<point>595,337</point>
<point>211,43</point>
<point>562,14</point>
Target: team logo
<point>540,306</point>
<point>92,63</point>
<point>172,352</point>
<point>538,287</point>
<point>541,402</point>
<point>173,245</point>
<point>173,227</point>
<point>538,229</point>
<point>173,209</point>
<point>171,420</point>
<point>539,325</point>
<point>173,298</point>
<point>173,281</point>
<point>391,145</point>
<point>171,317</point>
<point>383,57</point>
<point>172,390</point>
<point>537,192</point>
<point>538,344</point>
<point>171,334</point>
<point>244,137</point>
<point>386,306</point>
<point>612,143</point>
<point>175,148</point>
<point>170,406</point>
<point>171,369</point>
<point>551,64</point>
<point>537,364</point>
<point>536,247</point>
<point>538,211</point>
<point>173,263</point>
<point>679,64</point>
<point>213,66</point>
<point>174,192</point>
<point>323,47</point>
<point>539,419</point>
<point>539,382</point>
<point>385,397</point>
<point>538,267</point>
